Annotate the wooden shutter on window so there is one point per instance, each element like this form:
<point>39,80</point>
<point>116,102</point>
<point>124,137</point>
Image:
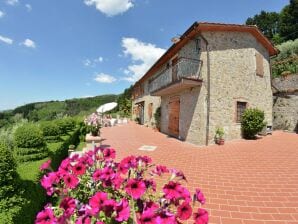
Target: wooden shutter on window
<point>150,110</point>
<point>260,65</point>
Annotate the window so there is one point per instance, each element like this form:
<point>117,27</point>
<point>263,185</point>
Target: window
<point>259,65</point>
<point>241,106</point>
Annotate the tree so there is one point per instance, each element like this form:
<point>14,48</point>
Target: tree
<point>267,22</point>
<point>289,21</point>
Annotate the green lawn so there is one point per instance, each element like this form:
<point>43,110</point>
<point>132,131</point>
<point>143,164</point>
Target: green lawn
<point>30,170</point>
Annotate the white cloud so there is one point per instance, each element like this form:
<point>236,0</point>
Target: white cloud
<point>111,7</point>
<point>104,78</point>
<point>6,40</point>
<point>29,43</point>
<point>29,7</point>
<point>12,2</point>
<point>143,56</point>
<point>2,14</point>
<point>92,62</point>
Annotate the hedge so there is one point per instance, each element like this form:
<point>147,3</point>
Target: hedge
<point>49,128</point>
<point>28,136</point>
<point>34,192</point>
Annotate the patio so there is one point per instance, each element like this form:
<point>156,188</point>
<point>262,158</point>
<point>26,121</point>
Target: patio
<point>244,181</point>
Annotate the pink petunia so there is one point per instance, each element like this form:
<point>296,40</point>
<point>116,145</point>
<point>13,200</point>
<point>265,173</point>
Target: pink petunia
<point>135,188</point>
<point>108,207</point>
<point>172,190</point>
<point>159,170</point>
<point>122,211</point>
<point>109,153</point>
<point>184,211</point>
<point>200,196</point>
<point>79,169</point>
<point>68,204</point>
<point>71,181</point>
<point>45,165</point>
<point>97,201</point>
<point>166,217</point>
<point>201,216</point>
<point>127,163</point>
<point>46,216</point>
<point>147,217</point>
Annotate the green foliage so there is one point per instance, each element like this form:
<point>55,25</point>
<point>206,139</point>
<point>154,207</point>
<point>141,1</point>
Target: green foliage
<point>65,124</point>
<point>267,22</point>
<point>278,27</point>
<point>289,21</point>
<point>29,136</point>
<point>287,60</point>
<point>157,117</point>
<point>30,154</point>
<point>252,122</point>
<point>8,173</point>
<point>49,128</point>
<point>124,103</point>
<point>219,133</point>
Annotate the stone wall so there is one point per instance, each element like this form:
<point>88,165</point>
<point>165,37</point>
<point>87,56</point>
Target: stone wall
<point>233,78</point>
<point>285,103</point>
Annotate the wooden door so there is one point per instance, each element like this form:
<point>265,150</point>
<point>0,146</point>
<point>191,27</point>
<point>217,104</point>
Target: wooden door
<point>175,69</point>
<point>174,111</point>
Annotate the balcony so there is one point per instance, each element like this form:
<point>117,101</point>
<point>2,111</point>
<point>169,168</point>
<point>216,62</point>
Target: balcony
<point>185,73</point>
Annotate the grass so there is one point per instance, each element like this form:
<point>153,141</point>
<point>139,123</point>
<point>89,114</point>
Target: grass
<point>30,170</point>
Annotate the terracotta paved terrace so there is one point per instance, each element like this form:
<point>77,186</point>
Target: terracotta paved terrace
<point>244,181</point>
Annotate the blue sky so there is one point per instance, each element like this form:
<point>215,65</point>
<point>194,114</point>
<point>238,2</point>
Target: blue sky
<point>61,49</point>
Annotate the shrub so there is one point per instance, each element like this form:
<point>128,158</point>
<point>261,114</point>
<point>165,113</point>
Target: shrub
<point>29,136</point>
<point>65,124</point>
<point>31,154</point>
<point>252,122</point>
<point>157,117</point>
<point>8,173</point>
<point>95,187</point>
<point>50,129</point>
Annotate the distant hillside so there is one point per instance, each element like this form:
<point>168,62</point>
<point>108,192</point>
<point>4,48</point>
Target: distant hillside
<point>55,109</point>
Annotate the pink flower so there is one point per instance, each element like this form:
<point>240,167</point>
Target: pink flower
<point>45,165</point>
<point>108,207</point>
<point>147,217</point>
<point>135,188</point>
<point>171,190</point>
<point>159,170</point>
<point>83,220</point>
<point>122,211</point>
<point>199,196</point>
<point>96,175</point>
<point>71,181</point>
<point>46,217</point>
<point>201,217</point>
<point>69,206</point>
<point>47,182</point>
<point>184,211</point>
<point>127,163</point>
<point>97,201</point>
<point>79,169</point>
<point>109,153</point>
<point>166,217</point>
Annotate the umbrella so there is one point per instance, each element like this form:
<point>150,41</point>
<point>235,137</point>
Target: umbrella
<point>106,107</point>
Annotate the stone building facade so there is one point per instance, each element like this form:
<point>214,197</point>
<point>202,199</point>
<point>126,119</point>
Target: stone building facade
<point>285,103</point>
<point>206,79</point>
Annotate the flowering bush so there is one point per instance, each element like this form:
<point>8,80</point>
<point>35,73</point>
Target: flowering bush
<point>93,123</point>
<point>93,188</point>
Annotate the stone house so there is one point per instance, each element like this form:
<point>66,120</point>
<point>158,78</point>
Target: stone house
<point>205,81</point>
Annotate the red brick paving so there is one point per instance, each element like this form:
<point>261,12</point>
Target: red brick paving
<point>245,182</point>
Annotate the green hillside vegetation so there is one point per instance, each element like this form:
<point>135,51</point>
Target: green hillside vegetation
<point>278,26</point>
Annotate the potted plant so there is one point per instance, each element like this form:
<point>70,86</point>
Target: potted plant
<point>93,123</point>
<point>219,136</point>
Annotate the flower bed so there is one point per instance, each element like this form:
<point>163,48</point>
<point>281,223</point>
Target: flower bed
<point>93,188</point>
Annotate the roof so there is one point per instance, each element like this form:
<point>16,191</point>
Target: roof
<point>198,27</point>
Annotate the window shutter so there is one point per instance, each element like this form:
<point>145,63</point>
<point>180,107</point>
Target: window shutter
<point>259,64</point>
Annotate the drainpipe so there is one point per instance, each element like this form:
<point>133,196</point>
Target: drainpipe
<point>208,90</point>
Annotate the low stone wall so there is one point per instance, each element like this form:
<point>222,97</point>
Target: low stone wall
<point>285,103</point>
